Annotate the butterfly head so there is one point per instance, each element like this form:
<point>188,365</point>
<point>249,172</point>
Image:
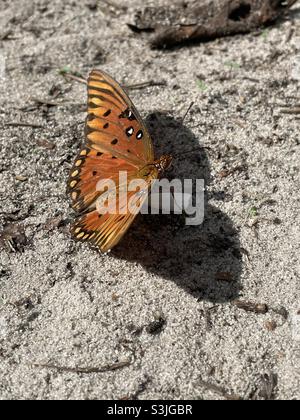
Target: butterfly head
<point>163,163</point>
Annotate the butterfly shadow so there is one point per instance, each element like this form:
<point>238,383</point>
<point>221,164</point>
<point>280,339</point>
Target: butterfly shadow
<point>204,260</point>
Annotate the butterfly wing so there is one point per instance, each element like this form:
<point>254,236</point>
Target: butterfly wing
<point>106,230</point>
<point>89,169</point>
<point>116,140</point>
<point>113,124</point>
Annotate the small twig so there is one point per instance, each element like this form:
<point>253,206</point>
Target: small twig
<point>46,102</point>
<point>145,85</point>
<point>289,35</point>
<point>46,144</point>
<point>293,98</point>
<point>258,308</point>
<point>76,78</point>
<point>85,370</point>
<point>292,111</point>
<point>251,79</point>
<point>5,35</point>
<point>142,85</point>
<point>219,390</point>
<point>19,124</point>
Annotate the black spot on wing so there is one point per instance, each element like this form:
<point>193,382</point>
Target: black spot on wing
<point>107,113</point>
<point>128,114</point>
<point>139,135</point>
<point>129,131</point>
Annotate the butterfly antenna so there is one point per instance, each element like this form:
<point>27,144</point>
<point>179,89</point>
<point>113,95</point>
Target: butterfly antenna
<point>176,138</point>
<point>183,119</point>
<point>186,153</point>
<point>187,111</point>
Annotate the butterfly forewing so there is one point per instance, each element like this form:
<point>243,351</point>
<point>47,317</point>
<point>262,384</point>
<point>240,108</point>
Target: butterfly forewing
<point>113,124</point>
<point>116,141</point>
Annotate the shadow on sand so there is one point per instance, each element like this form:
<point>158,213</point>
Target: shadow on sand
<point>193,257</point>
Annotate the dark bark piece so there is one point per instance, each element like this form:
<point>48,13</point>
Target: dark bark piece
<point>13,238</point>
<point>267,386</point>
<point>258,308</point>
<point>181,23</point>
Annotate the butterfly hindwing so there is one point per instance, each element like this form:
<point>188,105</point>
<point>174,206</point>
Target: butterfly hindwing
<point>105,230</point>
<point>89,168</point>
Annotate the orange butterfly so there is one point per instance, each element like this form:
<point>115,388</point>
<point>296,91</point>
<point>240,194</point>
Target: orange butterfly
<point>116,140</point>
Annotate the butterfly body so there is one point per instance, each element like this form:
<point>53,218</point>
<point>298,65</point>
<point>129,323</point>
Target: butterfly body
<point>117,142</point>
<point>163,163</point>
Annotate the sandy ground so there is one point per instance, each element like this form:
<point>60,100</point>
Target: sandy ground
<point>156,318</point>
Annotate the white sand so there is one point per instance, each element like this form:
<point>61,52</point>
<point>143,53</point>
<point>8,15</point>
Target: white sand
<point>62,304</point>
